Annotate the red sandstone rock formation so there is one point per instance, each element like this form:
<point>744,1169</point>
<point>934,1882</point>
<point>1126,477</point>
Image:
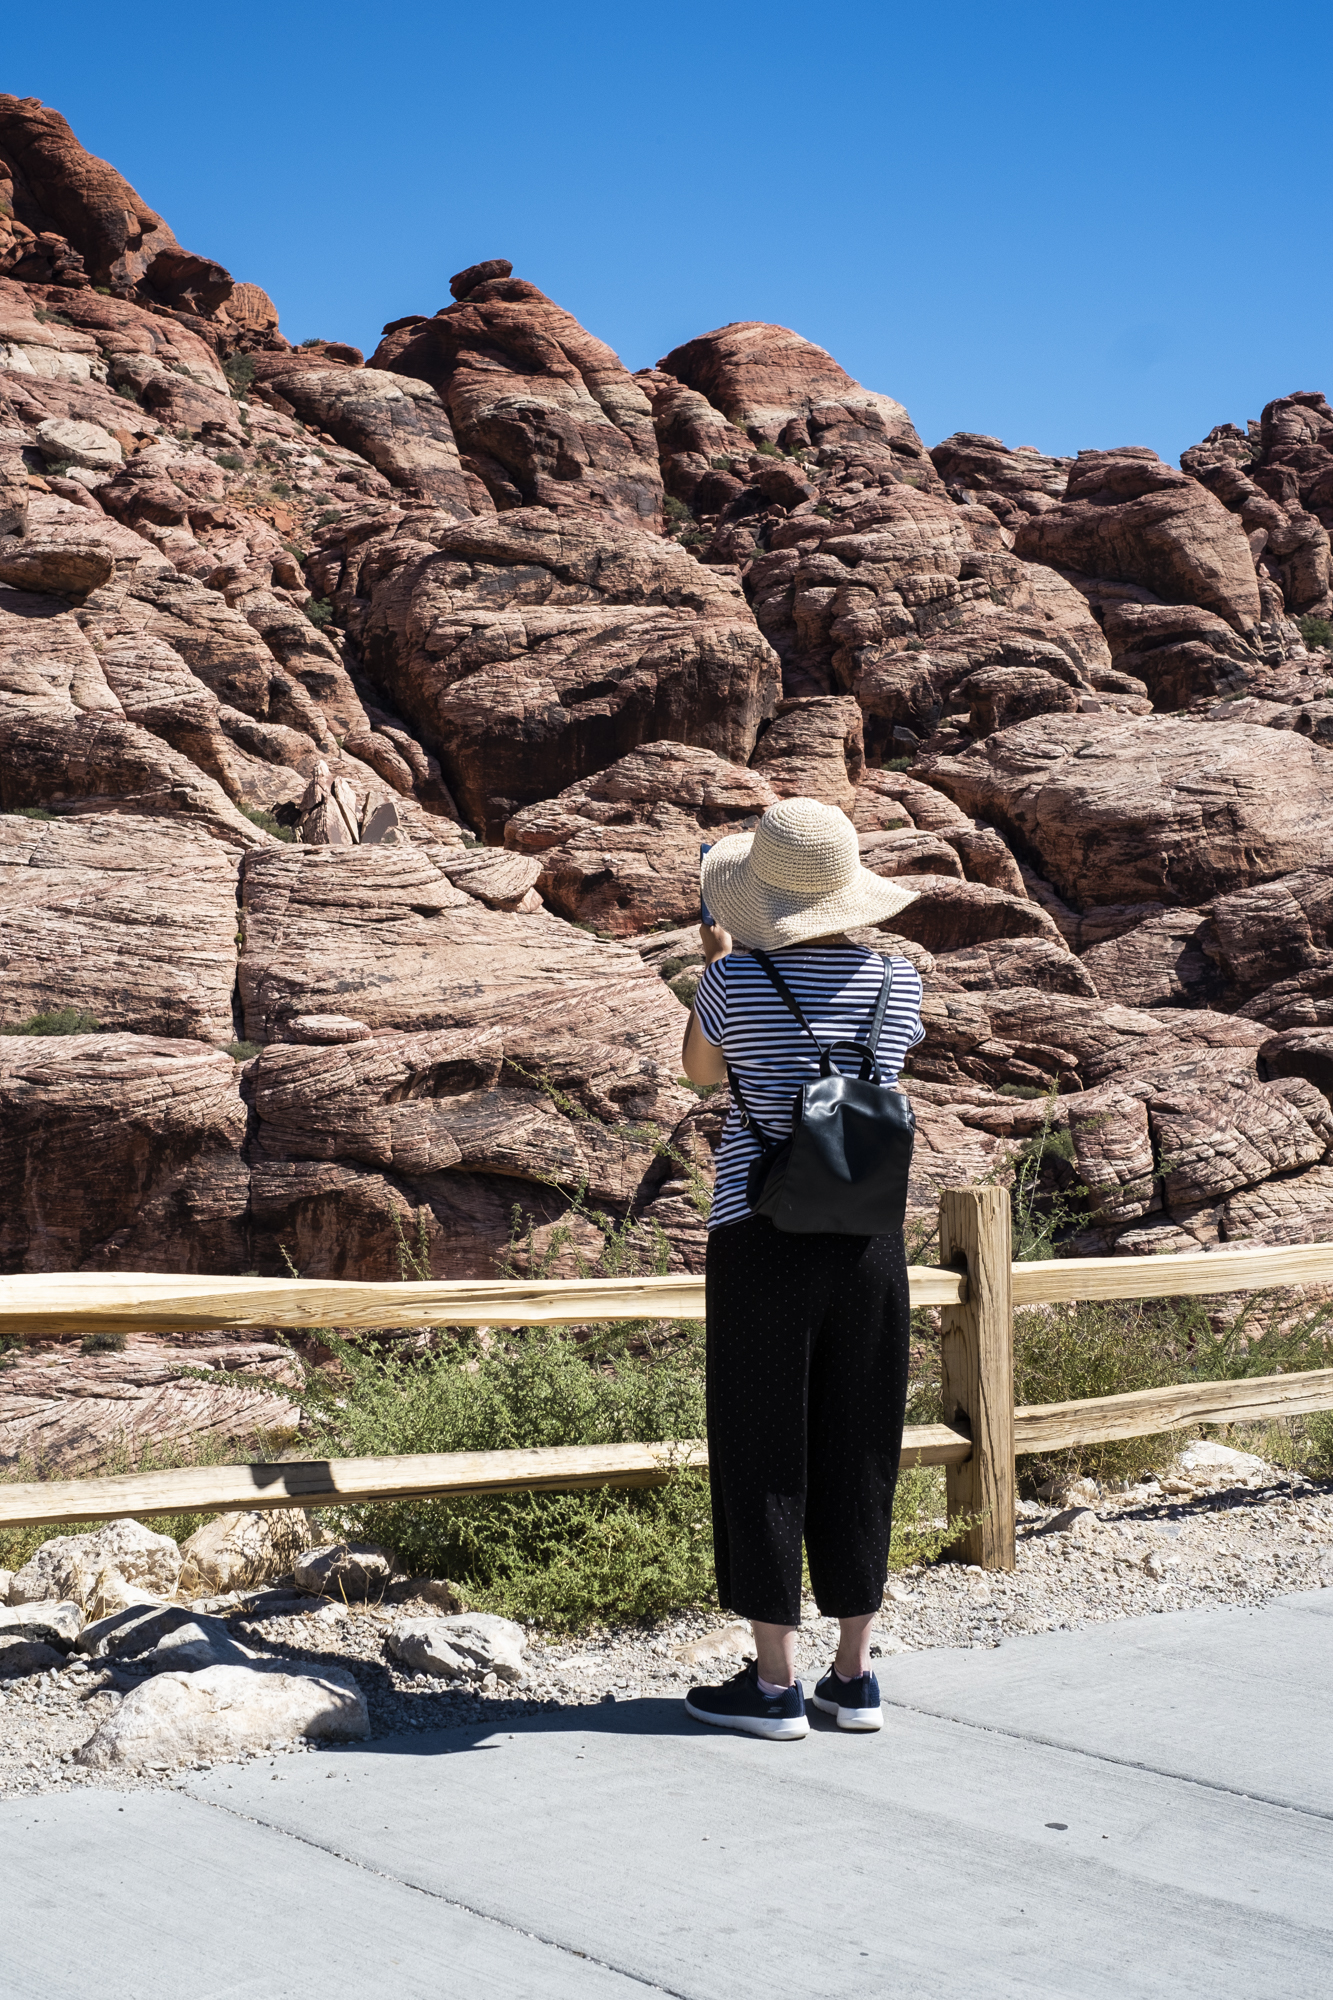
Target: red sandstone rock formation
<point>544,413</point>
<point>489,608</point>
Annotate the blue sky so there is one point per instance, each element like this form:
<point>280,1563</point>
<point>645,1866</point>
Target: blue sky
<point>1066,225</point>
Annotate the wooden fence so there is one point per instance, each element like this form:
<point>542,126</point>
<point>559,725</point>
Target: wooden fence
<point>976,1284</point>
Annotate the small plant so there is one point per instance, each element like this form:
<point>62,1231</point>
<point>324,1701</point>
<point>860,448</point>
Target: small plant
<point>722,464</point>
<point>824,511</point>
<point>281,489</point>
<point>915,646</point>
<point>676,512</point>
<point>230,461</point>
<point>109,1341</point>
<point>1316,632</point>
<point>103,291</point>
<point>896,764</point>
<point>244,1051</point>
<point>60,1021</point>
<point>30,812</point>
<point>319,611</point>
<point>258,817</point>
<point>239,370</point>
<point>767,450</point>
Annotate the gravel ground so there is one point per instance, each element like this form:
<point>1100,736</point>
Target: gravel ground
<point>1156,1547</point>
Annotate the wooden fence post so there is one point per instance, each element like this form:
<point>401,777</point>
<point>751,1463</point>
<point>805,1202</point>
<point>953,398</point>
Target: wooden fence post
<point>978,1370</point>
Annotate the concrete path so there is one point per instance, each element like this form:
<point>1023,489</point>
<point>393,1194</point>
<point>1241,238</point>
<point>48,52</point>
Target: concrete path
<point>1143,1808</point>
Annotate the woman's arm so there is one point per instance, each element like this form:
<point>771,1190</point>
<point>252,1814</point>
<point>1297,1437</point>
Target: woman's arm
<point>701,1062</point>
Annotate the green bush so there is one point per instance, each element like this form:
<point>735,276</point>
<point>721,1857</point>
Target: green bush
<point>243,1051</point>
<point>319,611</point>
<point>230,461</point>
<point>239,370</point>
<point>258,817</point>
<point>60,1021</point>
<point>30,812</point>
<point>109,1341</point>
<point>1065,1353</point>
<point>1316,632</point>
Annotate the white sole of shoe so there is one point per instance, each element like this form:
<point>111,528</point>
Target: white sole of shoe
<point>786,1729</point>
<point>850,1718</point>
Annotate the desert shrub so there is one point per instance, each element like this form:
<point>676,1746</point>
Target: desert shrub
<point>30,812</point>
<point>1316,632</point>
<point>239,370</point>
<point>319,611</point>
<point>59,1021</point>
<point>1065,1353</point>
<point>767,450</point>
<point>258,817</point>
<point>230,461</point>
<point>243,1051</point>
<point>109,1341</point>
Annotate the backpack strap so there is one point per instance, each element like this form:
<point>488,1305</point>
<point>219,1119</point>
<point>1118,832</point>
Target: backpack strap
<point>786,994</point>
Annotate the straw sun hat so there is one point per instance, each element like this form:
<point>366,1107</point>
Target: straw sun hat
<point>797,876</point>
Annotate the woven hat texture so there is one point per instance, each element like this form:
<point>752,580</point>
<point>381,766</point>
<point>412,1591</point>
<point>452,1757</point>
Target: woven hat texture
<point>797,876</point>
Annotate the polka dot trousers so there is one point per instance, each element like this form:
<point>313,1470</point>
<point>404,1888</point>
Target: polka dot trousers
<point>807,1385</point>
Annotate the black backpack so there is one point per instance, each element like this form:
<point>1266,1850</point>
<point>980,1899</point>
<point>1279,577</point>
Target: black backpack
<point>844,1170</point>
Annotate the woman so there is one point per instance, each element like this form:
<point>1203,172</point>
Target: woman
<point>807,1334</point>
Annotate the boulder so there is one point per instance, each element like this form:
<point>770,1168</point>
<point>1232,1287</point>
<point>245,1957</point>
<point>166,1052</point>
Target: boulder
<point>775,385</point>
<point>383,932</point>
<point>138,918</point>
<point>225,1712</point>
<point>397,422</point>
<point>65,438</point>
<point>981,471</point>
<point>344,1569</point>
<point>463,1647</point>
<point>115,238</point>
<point>620,851</point>
<point>435,1139</point>
<point>1129,517</point>
<point>814,748</point>
<point>238,1551</point>
<point>1148,809</point>
<point>52,1620</point>
<point>121,1152</point>
<point>61,1566</point>
<point>544,413</point>
<point>1168,960</point>
<point>531,650</point>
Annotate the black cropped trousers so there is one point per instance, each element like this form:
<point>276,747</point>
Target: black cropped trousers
<point>807,1385</point>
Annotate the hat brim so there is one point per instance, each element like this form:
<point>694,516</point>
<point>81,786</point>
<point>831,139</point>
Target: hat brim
<point>762,918</point>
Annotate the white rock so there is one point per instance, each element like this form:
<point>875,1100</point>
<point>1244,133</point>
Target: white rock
<point>345,1569</point>
<point>79,443</point>
<point>475,1642</point>
<point>1216,1460</point>
<point>110,1593</point>
<point>6,1578</point>
<point>69,1565</point>
<point>51,1619</point>
<point>726,1642</point>
<point>238,1551</point>
<point>225,1712</point>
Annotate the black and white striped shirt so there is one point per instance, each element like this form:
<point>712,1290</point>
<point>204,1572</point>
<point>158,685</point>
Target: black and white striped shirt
<point>741,1013</point>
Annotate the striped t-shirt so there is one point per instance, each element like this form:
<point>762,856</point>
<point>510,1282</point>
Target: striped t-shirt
<point>741,1013</point>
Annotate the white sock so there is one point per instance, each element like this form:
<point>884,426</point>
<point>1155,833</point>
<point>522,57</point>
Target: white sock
<point>767,1687</point>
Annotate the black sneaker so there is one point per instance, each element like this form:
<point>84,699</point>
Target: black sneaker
<point>855,1703</point>
<point>741,1703</point>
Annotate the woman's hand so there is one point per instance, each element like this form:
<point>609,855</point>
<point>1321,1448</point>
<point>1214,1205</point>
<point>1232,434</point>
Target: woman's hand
<point>701,1062</point>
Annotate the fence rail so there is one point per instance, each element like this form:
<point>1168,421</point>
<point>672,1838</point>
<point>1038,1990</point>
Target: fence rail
<point>978,1443</point>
